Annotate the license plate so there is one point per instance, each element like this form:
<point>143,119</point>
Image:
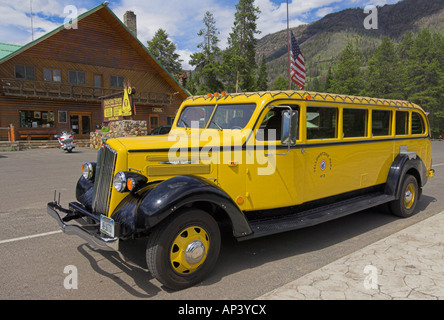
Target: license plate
<point>107,225</point>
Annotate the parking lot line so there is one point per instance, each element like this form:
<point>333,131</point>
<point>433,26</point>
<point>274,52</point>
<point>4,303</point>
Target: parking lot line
<point>437,165</point>
<point>30,237</point>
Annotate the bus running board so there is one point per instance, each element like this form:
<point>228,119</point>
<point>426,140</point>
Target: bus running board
<point>311,217</point>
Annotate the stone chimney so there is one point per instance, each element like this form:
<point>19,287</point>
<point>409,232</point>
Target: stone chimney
<point>129,19</point>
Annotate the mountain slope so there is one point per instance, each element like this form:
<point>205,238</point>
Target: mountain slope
<point>323,41</point>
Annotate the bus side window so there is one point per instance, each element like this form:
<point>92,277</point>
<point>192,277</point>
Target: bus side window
<point>402,122</point>
<point>417,123</point>
<point>322,123</point>
<point>271,126</point>
<point>354,123</point>
<point>381,122</point>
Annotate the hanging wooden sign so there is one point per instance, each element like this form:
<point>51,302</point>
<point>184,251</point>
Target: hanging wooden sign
<point>119,106</point>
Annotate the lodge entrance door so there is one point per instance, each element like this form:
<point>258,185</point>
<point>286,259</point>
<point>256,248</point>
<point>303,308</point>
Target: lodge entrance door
<point>80,124</point>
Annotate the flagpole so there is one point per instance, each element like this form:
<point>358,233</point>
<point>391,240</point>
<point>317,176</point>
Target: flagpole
<point>288,46</point>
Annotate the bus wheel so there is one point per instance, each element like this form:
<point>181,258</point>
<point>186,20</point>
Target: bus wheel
<point>405,206</point>
<point>183,249</point>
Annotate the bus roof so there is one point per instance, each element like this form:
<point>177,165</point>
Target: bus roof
<point>307,96</point>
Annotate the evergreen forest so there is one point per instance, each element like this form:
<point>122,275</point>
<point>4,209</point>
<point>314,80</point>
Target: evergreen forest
<point>403,65</point>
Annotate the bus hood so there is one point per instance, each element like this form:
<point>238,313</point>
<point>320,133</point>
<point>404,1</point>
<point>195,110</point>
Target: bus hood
<point>209,138</point>
<point>146,143</point>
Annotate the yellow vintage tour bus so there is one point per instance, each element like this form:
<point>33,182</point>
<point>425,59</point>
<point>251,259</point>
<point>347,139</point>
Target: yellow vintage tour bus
<point>257,163</point>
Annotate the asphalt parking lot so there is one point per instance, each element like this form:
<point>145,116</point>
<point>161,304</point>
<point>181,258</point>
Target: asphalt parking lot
<point>36,257</point>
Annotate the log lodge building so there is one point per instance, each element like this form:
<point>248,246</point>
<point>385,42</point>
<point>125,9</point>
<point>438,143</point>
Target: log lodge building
<point>54,83</point>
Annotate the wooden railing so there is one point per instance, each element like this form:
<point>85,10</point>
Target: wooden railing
<point>11,132</point>
<point>58,90</point>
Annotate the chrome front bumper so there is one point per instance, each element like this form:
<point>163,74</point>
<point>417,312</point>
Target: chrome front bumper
<point>89,232</point>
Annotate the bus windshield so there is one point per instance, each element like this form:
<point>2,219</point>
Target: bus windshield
<point>195,116</point>
<point>232,116</point>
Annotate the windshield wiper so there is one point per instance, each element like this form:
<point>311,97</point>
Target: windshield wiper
<point>217,125</point>
<point>186,124</point>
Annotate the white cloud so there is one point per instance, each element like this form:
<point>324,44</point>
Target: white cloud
<point>185,56</point>
<point>180,19</point>
<point>47,15</point>
<point>273,16</point>
<point>324,11</point>
<point>297,7</point>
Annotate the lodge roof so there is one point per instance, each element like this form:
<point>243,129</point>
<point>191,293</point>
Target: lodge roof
<point>8,51</point>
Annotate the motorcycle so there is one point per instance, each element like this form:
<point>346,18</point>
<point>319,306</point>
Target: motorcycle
<point>66,141</point>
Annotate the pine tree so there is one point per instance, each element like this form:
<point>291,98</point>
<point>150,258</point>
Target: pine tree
<point>383,80</point>
<point>262,78</point>
<point>328,80</point>
<point>208,73</point>
<point>424,73</point>
<point>348,76</point>
<point>239,57</point>
<point>404,49</point>
<point>280,84</point>
<point>165,52</point>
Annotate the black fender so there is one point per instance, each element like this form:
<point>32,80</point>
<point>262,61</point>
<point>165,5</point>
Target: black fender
<point>405,163</point>
<point>84,192</point>
<point>142,210</point>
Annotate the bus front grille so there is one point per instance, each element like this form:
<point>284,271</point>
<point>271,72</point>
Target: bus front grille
<point>103,180</point>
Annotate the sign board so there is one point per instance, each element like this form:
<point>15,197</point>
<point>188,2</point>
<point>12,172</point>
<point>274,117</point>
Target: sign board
<point>119,106</point>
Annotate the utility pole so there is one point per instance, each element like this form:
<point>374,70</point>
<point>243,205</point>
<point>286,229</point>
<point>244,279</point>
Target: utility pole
<point>288,46</point>
<point>32,26</point>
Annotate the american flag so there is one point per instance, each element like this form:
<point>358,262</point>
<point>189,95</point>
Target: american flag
<point>297,63</point>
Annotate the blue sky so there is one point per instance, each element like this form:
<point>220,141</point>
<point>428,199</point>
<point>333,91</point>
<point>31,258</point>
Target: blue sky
<point>182,19</point>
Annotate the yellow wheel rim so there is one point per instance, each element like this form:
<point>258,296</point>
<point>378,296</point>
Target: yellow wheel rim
<point>409,196</point>
<point>189,250</point>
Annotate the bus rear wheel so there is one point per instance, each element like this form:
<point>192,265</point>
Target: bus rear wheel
<point>404,207</point>
<point>183,249</point>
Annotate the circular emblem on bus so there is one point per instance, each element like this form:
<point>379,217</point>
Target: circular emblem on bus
<point>323,165</point>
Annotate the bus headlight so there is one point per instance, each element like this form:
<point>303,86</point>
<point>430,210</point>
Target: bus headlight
<point>120,182</point>
<point>88,170</point>
<point>129,181</point>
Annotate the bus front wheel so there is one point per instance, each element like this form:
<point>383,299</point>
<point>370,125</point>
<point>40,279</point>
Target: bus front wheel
<point>184,248</point>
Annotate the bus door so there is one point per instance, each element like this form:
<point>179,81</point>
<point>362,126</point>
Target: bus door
<point>274,175</point>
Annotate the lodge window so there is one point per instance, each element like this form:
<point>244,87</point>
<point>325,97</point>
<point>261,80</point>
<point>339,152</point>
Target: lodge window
<point>417,123</point>
<point>322,122</point>
<point>381,122</point>
<point>36,119</point>
<point>76,77</point>
<point>402,122</point>
<point>24,72</point>
<point>170,121</point>
<point>154,121</point>
<point>52,75</point>
<point>354,123</point>
<point>63,116</point>
<point>116,81</point>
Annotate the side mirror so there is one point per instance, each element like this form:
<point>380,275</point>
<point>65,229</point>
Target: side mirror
<point>289,127</point>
